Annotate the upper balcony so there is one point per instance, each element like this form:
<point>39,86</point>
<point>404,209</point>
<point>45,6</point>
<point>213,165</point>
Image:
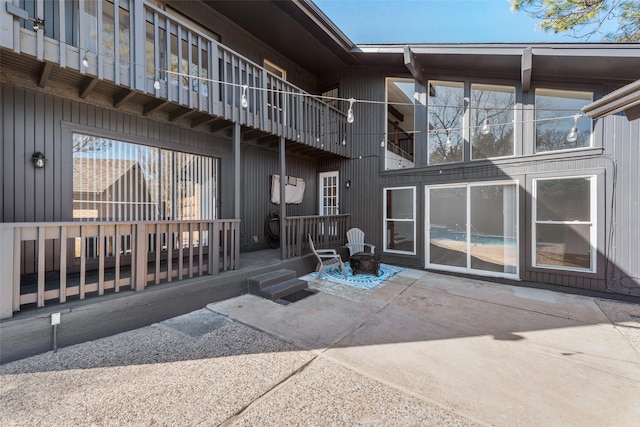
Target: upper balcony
<point>137,53</point>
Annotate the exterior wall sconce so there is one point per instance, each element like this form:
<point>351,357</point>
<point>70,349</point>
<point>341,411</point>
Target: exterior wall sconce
<point>38,159</point>
<point>348,183</point>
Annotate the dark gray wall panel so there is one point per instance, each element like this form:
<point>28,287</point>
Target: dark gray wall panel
<point>43,122</point>
<point>625,253</point>
<point>257,167</point>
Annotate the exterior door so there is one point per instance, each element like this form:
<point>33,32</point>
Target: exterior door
<point>473,228</point>
<point>329,193</point>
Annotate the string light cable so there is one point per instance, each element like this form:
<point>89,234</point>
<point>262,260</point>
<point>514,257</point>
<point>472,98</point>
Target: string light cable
<point>484,127</point>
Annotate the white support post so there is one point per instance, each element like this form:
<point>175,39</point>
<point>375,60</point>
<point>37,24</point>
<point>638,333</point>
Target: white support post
<point>7,266</point>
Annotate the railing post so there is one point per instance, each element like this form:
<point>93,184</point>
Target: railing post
<point>139,269</point>
<point>214,250</point>
<point>139,73</point>
<point>8,264</point>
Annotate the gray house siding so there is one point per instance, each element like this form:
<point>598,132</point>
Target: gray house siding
<point>363,200</point>
<point>616,149</point>
<point>35,121</point>
<point>258,165</point>
<point>623,149</point>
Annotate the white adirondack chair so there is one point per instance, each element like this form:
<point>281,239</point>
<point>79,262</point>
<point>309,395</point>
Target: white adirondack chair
<point>355,242</point>
<point>327,258</point>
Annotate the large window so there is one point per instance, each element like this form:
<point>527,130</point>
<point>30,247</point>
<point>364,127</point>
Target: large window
<point>564,235</point>
<point>400,220</point>
<point>492,115</point>
<point>119,181</point>
<point>473,228</point>
<point>446,114</point>
<point>401,99</point>
<point>554,121</point>
<point>488,122</point>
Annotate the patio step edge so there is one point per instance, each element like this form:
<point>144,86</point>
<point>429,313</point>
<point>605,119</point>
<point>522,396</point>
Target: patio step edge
<point>282,289</point>
<point>271,278</point>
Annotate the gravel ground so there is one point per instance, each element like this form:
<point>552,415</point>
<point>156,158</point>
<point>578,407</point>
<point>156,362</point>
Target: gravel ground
<point>200,369</point>
<point>151,376</point>
<point>625,317</point>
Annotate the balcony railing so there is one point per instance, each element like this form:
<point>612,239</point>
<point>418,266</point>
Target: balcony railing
<point>42,263</point>
<point>136,45</point>
<point>327,232</point>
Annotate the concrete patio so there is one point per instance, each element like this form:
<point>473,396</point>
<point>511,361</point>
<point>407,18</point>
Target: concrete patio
<point>421,349</point>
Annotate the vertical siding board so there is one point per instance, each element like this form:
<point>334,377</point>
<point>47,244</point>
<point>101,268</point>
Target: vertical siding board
<point>58,147</point>
<point>8,149</point>
<point>631,192</point>
<point>634,192</point>
<point>41,144</point>
<point>20,159</point>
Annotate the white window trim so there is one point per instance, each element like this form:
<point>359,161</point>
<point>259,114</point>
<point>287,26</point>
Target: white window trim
<point>517,122</point>
<point>270,65</point>
<point>386,165</point>
<point>593,232</point>
<point>385,220</point>
<point>561,150</point>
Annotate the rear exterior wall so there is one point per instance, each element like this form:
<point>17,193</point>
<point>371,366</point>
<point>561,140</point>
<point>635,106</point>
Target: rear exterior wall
<point>613,160</point>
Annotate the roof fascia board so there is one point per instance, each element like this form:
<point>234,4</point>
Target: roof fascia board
<point>596,50</point>
<point>323,22</point>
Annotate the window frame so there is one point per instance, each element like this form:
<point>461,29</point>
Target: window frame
<point>464,119</point>
<point>518,117</point>
<point>386,220</point>
<point>468,185</point>
<point>517,125</point>
<point>213,200</point>
<point>595,94</point>
<point>274,69</point>
<point>412,164</point>
<point>593,222</point>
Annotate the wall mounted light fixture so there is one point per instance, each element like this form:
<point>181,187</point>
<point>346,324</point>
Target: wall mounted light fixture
<point>38,159</point>
<point>348,183</point>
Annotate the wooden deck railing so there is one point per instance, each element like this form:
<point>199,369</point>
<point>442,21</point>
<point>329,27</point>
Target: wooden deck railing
<point>139,46</point>
<point>44,262</point>
<point>327,232</point>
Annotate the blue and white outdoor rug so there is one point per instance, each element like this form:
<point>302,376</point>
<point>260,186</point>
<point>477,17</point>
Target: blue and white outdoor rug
<point>361,281</point>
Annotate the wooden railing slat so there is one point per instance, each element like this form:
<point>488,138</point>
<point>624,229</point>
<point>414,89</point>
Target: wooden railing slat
<point>104,245</point>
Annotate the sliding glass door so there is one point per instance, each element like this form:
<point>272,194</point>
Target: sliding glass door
<point>473,228</point>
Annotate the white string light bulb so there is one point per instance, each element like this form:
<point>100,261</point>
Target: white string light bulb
<point>350,112</point>
<point>573,135</point>
<point>485,129</point>
<point>243,101</point>
<point>85,61</point>
<point>156,85</point>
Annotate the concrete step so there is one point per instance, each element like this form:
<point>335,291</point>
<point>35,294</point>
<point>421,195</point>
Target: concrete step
<point>282,289</point>
<point>271,278</point>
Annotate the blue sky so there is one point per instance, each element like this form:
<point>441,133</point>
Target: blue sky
<point>437,21</point>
